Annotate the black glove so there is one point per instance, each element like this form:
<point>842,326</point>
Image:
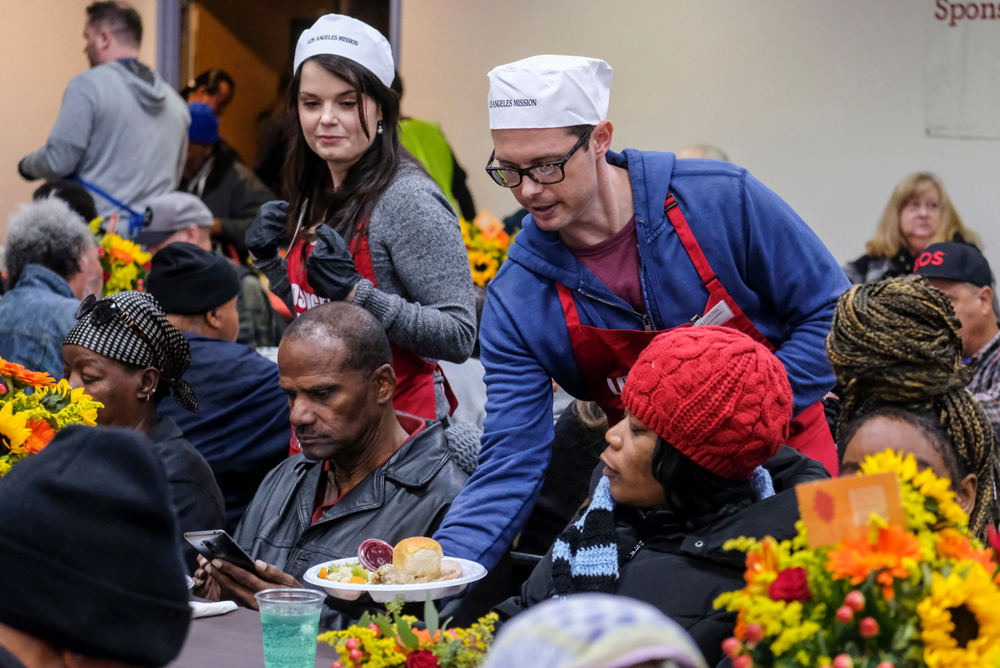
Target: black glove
<point>268,230</point>
<point>330,267</point>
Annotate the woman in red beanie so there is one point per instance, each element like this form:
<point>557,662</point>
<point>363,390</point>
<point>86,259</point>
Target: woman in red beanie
<point>698,460</point>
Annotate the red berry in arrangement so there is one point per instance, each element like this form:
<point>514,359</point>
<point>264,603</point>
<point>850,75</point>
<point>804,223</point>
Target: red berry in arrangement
<point>754,633</point>
<point>885,664</point>
<point>843,661</point>
<point>374,627</point>
<point>3,388</point>
<point>355,655</point>
<point>743,662</point>
<point>855,601</point>
<point>336,664</point>
<point>731,647</point>
<point>869,627</point>
<point>844,614</point>
<point>351,644</point>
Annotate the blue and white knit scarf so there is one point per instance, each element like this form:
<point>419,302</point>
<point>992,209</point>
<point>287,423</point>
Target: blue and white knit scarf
<point>585,555</point>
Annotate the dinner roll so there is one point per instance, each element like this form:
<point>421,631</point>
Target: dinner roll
<point>418,556</point>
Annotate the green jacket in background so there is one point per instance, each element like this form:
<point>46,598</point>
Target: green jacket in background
<point>425,142</point>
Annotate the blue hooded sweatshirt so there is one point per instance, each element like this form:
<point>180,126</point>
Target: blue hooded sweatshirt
<point>775,268</point>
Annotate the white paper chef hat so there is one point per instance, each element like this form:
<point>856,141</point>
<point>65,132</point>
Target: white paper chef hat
<point>549,92</point>
<point>339,35</point>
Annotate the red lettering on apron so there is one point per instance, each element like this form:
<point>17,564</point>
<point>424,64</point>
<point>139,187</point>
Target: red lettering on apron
<point>606,355</point>
<point>414,375</point>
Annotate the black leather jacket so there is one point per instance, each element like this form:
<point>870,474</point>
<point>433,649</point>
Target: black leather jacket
<point>406,496</point>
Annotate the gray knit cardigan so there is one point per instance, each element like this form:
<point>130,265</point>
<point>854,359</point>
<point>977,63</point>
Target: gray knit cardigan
<point>424,297</point>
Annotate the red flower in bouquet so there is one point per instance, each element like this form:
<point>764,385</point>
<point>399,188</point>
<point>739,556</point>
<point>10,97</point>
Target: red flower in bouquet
<point>792,584</point>
<point>422,659</point>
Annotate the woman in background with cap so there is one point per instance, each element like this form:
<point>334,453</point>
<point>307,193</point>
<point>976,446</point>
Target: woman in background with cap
<point>365,223</point>
<point>697,460</point>
<point>128,356</point>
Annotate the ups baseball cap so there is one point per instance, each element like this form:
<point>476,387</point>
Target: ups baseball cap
<point>963,263</point>
<point>173,212</point>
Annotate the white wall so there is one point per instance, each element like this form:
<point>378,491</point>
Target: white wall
<point>41,46</point>
<point>822,100</point>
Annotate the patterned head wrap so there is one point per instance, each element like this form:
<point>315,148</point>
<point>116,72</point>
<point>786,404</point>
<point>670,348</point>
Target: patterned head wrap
<point>132,329</point>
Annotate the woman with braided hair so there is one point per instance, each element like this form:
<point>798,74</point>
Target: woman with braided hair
<point>895,349</point>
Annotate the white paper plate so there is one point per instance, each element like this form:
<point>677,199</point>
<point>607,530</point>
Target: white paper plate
<point>414,593</point>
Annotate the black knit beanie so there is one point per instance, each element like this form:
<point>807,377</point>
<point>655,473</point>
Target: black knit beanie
<point>188,280</point>
<point>89,552</point>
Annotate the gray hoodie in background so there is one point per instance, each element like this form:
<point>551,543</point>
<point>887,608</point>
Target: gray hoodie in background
<point>122,128</point>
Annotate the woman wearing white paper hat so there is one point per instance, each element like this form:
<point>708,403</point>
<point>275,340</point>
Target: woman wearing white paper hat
<point>617,248</point>
<point>364,222</point>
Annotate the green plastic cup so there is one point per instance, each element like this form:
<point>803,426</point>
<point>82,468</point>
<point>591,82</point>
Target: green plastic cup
<point>289,619</point>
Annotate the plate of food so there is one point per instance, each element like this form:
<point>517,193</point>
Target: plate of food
<point>414,568</point>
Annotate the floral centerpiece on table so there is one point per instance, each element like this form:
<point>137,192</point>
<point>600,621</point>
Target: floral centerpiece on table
<point>923,595</point>
<point>390,639</point>
<point>29,420</point>
<point>124,262</point>
<point>486,242</point>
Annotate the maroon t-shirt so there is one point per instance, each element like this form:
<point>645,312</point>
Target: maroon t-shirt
<point>616,262</point>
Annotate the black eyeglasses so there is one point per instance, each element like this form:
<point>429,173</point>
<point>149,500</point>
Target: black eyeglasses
<point>104,311</point>
<point>547,174</point>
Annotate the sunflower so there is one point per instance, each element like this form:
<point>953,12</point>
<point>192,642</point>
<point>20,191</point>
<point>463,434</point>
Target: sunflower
<point>68,405</point>
<point>891,555</point>
<point>23,377</point>
<point>13,429</point>
<point>960,620</point>
<point>928,500</point>
<point>484,267</point>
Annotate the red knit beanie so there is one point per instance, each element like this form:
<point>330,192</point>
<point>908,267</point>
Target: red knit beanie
<point>719,397</point>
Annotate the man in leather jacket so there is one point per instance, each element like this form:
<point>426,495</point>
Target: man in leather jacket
<point>365,471</point>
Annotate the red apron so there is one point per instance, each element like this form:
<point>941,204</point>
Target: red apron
<point>606,355</point>
<point>414,375</point>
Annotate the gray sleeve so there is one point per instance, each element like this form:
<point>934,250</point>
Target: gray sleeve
<point>424,243</point>
<point>276,271</point>
<point>70,135</point>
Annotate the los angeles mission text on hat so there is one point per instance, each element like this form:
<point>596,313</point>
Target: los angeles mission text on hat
<point>335,38</point>
<point>518,102</point>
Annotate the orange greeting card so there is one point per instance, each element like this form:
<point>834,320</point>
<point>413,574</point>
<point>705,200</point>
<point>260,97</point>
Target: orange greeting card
<point>837,509</point>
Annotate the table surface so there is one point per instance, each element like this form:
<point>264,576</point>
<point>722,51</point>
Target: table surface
<point>233,640</point>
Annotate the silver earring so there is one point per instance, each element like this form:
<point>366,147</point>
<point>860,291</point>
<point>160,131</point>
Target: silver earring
<point>378,128</point>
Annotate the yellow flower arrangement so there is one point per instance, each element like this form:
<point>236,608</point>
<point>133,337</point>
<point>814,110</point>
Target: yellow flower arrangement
<point>486,243</point>
<point>929,501</point>
<point>916,596</point>
<point>29,419</point>
<point>390,639</point>
<point>124,262</point>
<point>973,598</point>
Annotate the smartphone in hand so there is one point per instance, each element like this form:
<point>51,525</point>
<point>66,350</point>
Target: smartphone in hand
<point>218,544</point>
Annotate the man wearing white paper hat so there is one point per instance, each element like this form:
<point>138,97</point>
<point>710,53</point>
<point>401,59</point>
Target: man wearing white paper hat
<point>617,248</point>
